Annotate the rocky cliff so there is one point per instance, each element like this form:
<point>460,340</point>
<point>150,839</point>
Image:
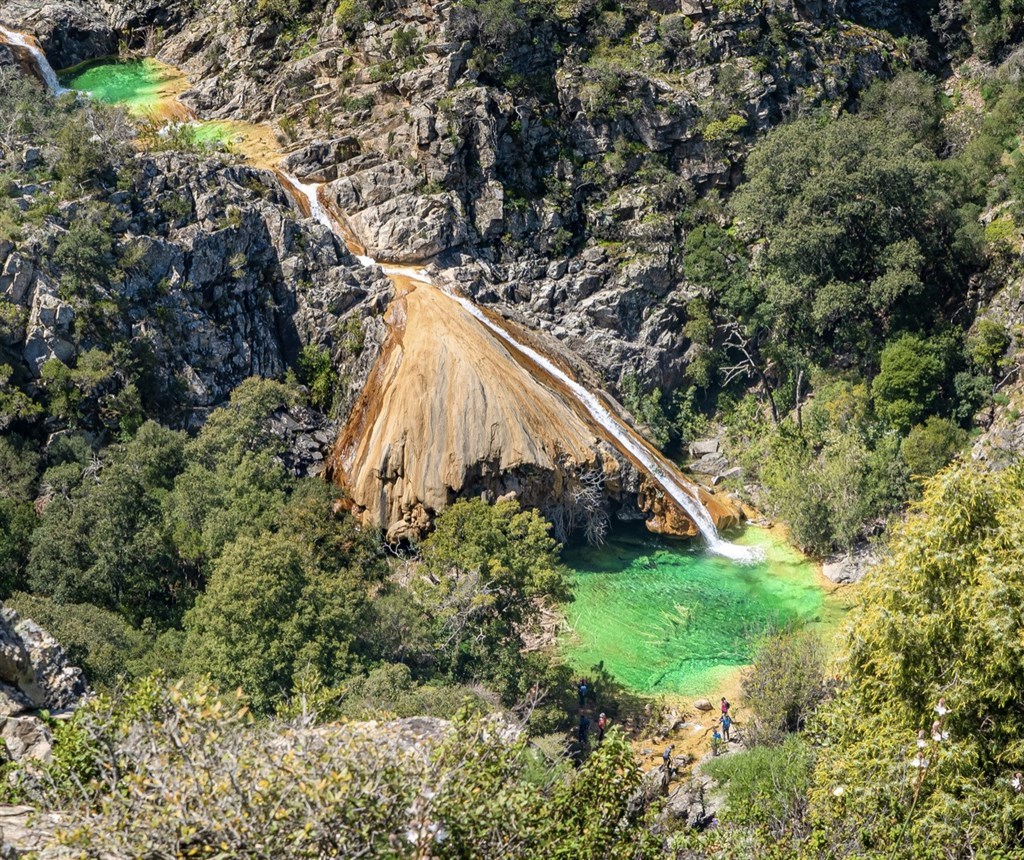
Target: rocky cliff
<point>543,165</point>
<point>216,277</point>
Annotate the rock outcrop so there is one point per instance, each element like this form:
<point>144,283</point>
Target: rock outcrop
<point>226,280</point>
<point>34,675</point>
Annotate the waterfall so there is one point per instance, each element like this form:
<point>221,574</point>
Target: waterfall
<point>46,71</point>
<point>684,493</point>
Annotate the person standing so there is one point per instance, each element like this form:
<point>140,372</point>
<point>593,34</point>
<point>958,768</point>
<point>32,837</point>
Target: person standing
<point>583,689</point>
<point>716,741</point>
<point>602,724</point>
<point>725,706</point>
<point>666,768</point>
<point>584,728</point>
<point>726,722</point>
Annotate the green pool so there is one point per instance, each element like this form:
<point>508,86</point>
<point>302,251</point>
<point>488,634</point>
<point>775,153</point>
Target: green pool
<point>143,86</point>
<point>668,619</point>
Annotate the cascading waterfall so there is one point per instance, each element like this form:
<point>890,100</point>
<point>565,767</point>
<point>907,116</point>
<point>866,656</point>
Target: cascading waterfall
<point>46,71</point>
<point>683,492</point>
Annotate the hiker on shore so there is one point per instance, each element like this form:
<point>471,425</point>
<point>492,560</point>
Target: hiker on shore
<point>726,722</point>
<point>666,768</point>
<point>725,706</point>
<point>716,741</point>
<point>602,724</point>
<point>583,689</point>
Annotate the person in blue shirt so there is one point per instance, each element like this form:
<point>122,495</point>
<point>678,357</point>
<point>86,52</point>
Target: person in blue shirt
<point>726,722</point>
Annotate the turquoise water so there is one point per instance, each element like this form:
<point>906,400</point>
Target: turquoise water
<point>670,619</point>
<point>141,85</point>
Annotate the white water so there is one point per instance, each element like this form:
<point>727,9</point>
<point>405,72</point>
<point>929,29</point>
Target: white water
<point>683,492</point>
<point>42,64</point>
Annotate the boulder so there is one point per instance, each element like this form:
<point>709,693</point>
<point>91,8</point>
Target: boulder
<point>849,567</point>
<point>702,705</point>
<point>26,738</point>
<point>705,447</point>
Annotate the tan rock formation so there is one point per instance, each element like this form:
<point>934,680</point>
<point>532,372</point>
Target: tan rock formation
<point>447,402</point>
<point>449,410</point>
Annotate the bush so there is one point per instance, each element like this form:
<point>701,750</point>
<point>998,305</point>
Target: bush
<point>316,372</point>
<point>783,686</point>
<point>280,603</point>
<point>766,786</point>
<point>930,446</point>
<point>490,569</point>
<point>908,381</point>
<point>937,619</point>
<point>186,773</point>
<point>100,642</point>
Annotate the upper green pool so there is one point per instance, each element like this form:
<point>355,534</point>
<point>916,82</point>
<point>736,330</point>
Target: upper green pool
<point>668,619</point>
<point>143,86</point>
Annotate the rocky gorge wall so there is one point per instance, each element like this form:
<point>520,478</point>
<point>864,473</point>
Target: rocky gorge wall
<point>545,180</point>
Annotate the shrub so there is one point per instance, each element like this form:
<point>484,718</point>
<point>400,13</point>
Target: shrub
<point>937,619</point>
<point>766,786</point>
<point>783,686</point>
<point>908,381</point>
<point>178,772</point>
<point>930,446</point>
<point>316,372</point>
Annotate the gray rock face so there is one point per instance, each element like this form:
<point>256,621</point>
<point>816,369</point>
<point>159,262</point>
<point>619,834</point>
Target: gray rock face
<point>227,281</point>
<point>69,32</point>
<point>34,675</point>
<point>34,672</point>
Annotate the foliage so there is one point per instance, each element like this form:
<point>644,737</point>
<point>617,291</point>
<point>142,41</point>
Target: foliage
<point>908,380</point>
<point>862,229</point>
<point>489,568</point>
<point>242,425</point>
<point>278,603</point>
<point>316,371</point>
<point>104,542</point>
<point>930,446</point>
<point>766,786</point>
<point>830,477</point>
<point>180,772</point>
<point>783,686</point>
<point>647,408</point>
<point>993,23</point>
<point>937,620</point>
<point>96,640</point>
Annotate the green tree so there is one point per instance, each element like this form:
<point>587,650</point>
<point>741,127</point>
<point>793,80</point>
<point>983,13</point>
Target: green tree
<point>489,567</point>
<point>908,381</point>
<point>930,446</point>
<point>937,620</point>
<point>104,543</point>
<point>280,603</point>
<point>861,227</point>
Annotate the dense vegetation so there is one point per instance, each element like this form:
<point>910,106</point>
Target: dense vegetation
<point>840,335</point>
<point>849,319</point>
